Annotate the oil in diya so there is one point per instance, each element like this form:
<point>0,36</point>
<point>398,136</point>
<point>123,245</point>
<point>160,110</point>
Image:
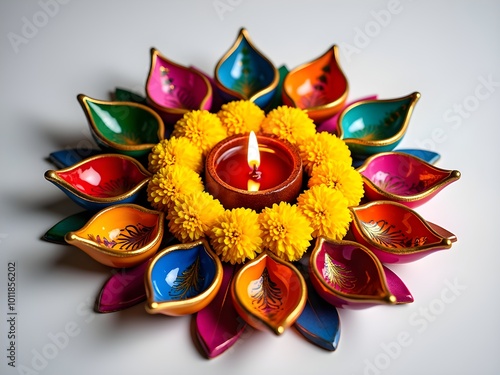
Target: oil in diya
<point>253,171</point>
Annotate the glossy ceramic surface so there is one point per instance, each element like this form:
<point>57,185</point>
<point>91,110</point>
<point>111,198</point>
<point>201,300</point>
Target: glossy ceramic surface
<point>347,274</point>
<point>269,293</point>
<point>330,125</point>
<point>233,197</point>
<point>244,72</point>
<point>394,232</point>
<point>218,326</point>
<point>183,279</point>
<point>101,180</point>
<point>318,87</point>
<point>319,322</point>
<point>173,89</point>
<point>124,127</point>
<point>403,178</point>
<point>122,235</point>
<point>123,289</point>
<point>373,126</point>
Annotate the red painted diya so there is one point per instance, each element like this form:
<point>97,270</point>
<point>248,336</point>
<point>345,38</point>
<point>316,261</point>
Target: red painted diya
<point>253,171</point>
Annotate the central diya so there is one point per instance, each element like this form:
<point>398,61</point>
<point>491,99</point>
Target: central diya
<point>241,172</point>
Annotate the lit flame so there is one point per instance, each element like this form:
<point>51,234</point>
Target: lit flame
<point>253,185</point>
<point>253,155</point>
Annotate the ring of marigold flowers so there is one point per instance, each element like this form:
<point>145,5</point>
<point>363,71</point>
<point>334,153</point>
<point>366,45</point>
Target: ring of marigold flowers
<point>236,235</point>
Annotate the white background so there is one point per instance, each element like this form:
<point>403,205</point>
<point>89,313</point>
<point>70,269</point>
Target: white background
<point>446,50</point>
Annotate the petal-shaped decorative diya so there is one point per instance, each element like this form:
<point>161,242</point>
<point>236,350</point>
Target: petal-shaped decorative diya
<point>403,178</point>
<point>123,289</point>
<point>102,180</point>
<point>173,89</point>
<point>347,274</point>
<point>245,73</point>
<point>124,127</point>
<point>319,322</point>
<point>394,232</point>
<point>218,326</point>
<point>373,126</point>
<point>319,87</point>
<point>269,293</point>
<point>120,236</point>
<point>183,279</point>
<point>330,125</point>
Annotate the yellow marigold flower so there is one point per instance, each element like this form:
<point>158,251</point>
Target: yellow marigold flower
<point>323,147</point>
<point>241,116</point>
<point>236,235</point>
<point>202,128</point>
<point>285,231</point>
<point>326,210</point>
<point>291,124</point>
<point>180,151</point>
<point>339,176</point>
<point>192,216</point>
<point>171,183</point>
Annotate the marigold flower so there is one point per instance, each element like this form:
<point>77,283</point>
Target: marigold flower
<point>202,128</point>
<point>170,183</point>
<point>236,235</point>
<point>180,151</point>
<point>323,147</point>
<point>193,215</point>
<point>326,210</point>
<point>339,176</point>
<point>285,231</point>
<point>288,123</point>
<point>241,116</point>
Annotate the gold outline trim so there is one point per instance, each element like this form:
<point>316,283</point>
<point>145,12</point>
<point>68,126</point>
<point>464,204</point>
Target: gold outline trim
<point>452,175</point>
<point>190,305</point>
<point>415,96</point>
<point>445,243</point>
<point>72,237</point>
<point>243,34</point>
<point>388,297</point>
<point>83,99</point>
<point>155,55</point>
<point>336,102</point>
<point>53,176</point>
<point>249,314</point>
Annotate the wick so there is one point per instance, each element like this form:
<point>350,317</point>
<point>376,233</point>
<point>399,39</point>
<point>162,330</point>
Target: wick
<point>255,174</point>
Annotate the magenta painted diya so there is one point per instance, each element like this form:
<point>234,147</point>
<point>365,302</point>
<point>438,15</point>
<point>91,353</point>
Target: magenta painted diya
<point>237,179</point>
<point>403,178</point>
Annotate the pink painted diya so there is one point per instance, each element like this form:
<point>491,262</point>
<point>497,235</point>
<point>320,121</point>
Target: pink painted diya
<point>172,89</point>
<point>403,178</point>
<point>254,184</point>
